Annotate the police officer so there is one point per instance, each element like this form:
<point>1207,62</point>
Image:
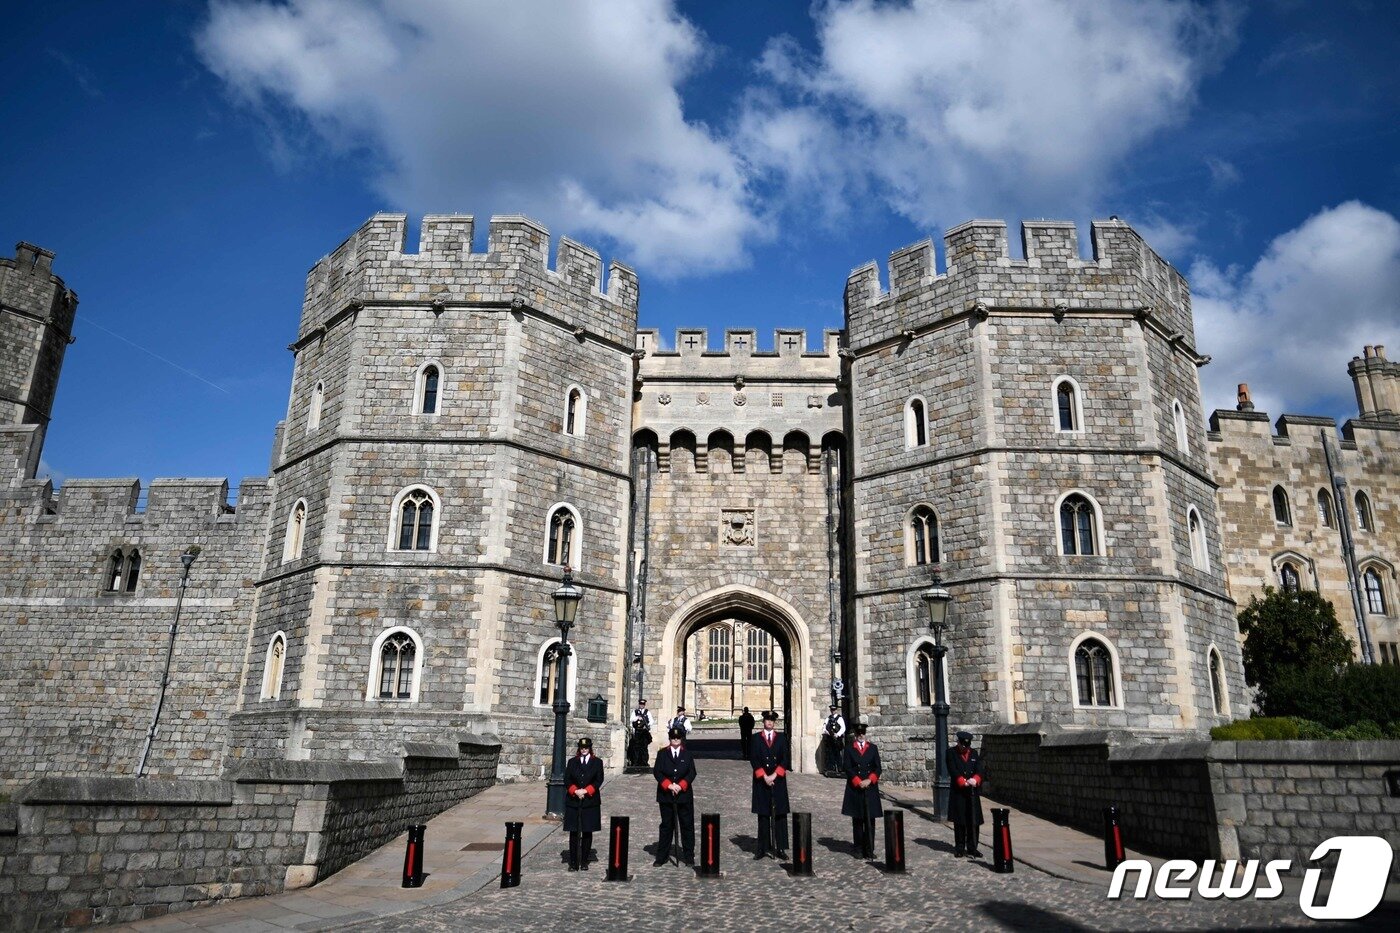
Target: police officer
<point>681,721</point>
<point>745,732</point>
<point>583,804</point>
<point>674,771</point>
<point>861,762</point>
<point>768,756</point>
<point>835,733</point>
<point>642,725</point>
<point>965,795</point>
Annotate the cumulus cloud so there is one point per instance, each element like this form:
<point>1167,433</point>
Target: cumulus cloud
<point>567,111</point>
<point>951,109</point>
<point>1289,324</point>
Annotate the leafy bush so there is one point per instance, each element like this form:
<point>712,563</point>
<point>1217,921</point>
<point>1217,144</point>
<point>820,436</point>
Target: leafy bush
<point>1286,633</point>
<point>1337,699</point>
<point>1258,729</point>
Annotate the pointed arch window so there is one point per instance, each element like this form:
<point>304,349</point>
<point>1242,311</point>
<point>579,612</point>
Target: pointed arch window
<point>1375,593</point>
<point>562,545</point>
<point>1078,526</point>
<point>1183,441</point>
<point>115,565</point>
<point>1200,555</point>
<point>429,384</point>
<point>1324,508</point>
<point>923,675</point>
<point>295,533</point>
<point>1093,674</point>
<point>575,411</point>
<point>1067,415</point>
<point>719,654</point>
<point>1283,517</point>
<point>397,665</point>
<point>313,413</point>
<point>1364,518</point>
<point>915,423</point>
<point>272,667</point>
<point>547,674</point>
<point>1288,577</point>
<point>758,655</point>
<point>1218,693</point>
<point>416,512</point>
<point>123,570</point>
<point>923,537</point>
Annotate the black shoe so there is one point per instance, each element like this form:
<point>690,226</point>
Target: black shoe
<point>688,859</point>
<point>659,862</point>
<point>957,853</point>
<point>974,853</point>
<point>782,855</point>
<point>760,856</point>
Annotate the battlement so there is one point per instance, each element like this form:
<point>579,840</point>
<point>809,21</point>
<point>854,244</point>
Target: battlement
<point>86,501</point>
<point>373,265</point>
<point>1123,273</point>
<point>741,358</point>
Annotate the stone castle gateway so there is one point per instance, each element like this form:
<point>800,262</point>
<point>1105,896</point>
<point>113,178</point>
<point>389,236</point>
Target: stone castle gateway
<point>751,525</point>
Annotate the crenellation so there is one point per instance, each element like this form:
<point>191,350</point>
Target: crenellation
<point>975,244</point>
<point>911,268</point>
<point>740,342</point>
<point>579,265</point>
<point>1050,242</point>
<point>447,237</point>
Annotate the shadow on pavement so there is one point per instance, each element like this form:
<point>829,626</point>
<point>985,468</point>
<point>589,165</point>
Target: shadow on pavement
<point>837,846</point>
<point>937,845</point>
<point>1027,916</point>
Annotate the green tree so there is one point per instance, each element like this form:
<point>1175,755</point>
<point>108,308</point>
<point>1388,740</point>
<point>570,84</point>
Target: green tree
<point>1286,634</point>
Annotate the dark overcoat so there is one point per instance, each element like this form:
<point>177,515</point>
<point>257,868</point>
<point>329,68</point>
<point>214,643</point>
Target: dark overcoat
<point>965,802</point>
<point>672,769</point>
<point>746,724</point>
<point>858,766</point>
<point>769,759</point>
<point>586,815</point>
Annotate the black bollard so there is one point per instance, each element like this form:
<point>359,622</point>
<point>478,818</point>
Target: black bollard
<point>709,845</point>
<point>413,858</point>
<point>510,856</point>
<point>1001,841</point>
<point>802,843</point>
<point>894,841</point>
<point>1113,854</point>
<point>618,833</point>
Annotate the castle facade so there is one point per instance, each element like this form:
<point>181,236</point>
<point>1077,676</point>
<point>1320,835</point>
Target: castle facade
<point>751,525</point>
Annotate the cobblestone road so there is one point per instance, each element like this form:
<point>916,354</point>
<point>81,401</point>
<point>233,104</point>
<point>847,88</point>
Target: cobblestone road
<point>937,892</point>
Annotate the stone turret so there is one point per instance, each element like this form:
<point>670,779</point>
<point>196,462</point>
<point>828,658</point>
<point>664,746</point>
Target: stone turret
<point>36,321</point>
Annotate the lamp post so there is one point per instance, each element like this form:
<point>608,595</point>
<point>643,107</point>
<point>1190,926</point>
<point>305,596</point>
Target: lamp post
<point>566,600</point>
<point>186,559</point>
<point>936,600</point>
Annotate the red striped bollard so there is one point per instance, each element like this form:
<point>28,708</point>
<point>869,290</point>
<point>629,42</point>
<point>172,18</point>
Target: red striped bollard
<point>413,858</point>
<point>1113,852</point>
<point>618,832</point>
<point>894,841</point>
<point>510,856</point>
<point>709,846</point>
<point>1001,840</point>
<point>802,843</point>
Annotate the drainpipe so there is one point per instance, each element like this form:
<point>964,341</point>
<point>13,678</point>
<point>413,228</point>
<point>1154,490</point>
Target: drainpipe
<point>1339,483</point>
<point>186,559</point>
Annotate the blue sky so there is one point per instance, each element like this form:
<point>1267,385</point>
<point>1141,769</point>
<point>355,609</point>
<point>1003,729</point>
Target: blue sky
<point>189,162</point>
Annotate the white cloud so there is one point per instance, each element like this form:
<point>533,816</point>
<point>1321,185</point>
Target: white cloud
<point>952,109</point>
<point>566,111</point>
<point>1289,325</point>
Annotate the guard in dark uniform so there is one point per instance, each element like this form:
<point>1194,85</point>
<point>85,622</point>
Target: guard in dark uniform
<point>675,791</point>
<point>642,723</point>
<point>768,756</point>
<point>833,742</point>
<point>965,795</point>
<point>745,732</point>
<point>583,803</point>
<point>861,762</point>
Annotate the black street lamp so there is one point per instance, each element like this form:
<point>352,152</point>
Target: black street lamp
<point>566,600</point>
<point>186,560</point>
<point>937,599</point>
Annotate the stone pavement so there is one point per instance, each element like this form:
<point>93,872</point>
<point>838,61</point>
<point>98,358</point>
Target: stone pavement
<point>937,892</point>
<point>462,855</point>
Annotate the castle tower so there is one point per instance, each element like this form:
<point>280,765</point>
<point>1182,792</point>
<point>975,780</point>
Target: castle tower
<point>36,319</point>
<point>1032,428</point>
<point>458,430</point>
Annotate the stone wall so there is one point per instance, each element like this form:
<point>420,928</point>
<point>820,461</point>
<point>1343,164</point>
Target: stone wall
<point>76,851</point>
<point>1199,799</point>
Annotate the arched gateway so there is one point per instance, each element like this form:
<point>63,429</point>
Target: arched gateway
<point>750,609</point>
